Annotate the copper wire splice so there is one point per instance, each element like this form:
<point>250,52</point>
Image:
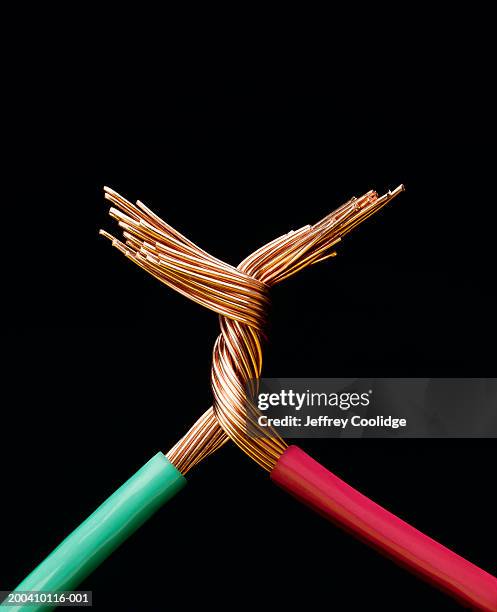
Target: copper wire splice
<point>240,297</point>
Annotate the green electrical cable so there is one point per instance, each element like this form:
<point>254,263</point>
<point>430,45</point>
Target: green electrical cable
<point>103,531</point>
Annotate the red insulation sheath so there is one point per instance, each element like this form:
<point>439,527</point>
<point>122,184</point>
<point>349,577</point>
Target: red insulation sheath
<point>315,486</point>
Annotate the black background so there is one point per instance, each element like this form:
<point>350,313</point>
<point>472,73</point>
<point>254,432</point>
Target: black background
<point>109,366</point>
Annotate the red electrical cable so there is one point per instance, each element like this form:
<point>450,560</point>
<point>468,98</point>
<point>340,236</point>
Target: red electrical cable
<point>315,486</point>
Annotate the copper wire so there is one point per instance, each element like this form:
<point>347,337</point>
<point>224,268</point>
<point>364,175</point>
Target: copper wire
<point>240,297</point>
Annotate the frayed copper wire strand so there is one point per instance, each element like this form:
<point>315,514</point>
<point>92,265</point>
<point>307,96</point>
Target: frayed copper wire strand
<point>239,295</point>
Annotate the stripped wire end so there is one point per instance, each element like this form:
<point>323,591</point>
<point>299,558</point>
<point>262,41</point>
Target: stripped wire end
<point>240,296</point>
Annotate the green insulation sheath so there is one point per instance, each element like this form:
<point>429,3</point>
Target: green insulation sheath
<point>103,531</point>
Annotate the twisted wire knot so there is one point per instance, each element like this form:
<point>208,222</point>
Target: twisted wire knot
<point>240,297</point>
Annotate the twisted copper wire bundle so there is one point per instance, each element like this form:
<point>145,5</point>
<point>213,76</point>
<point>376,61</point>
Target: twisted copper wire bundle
<point>240,296</point>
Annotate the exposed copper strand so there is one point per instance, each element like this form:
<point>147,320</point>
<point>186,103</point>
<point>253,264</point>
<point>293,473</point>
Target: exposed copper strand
<point>240,297</point>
